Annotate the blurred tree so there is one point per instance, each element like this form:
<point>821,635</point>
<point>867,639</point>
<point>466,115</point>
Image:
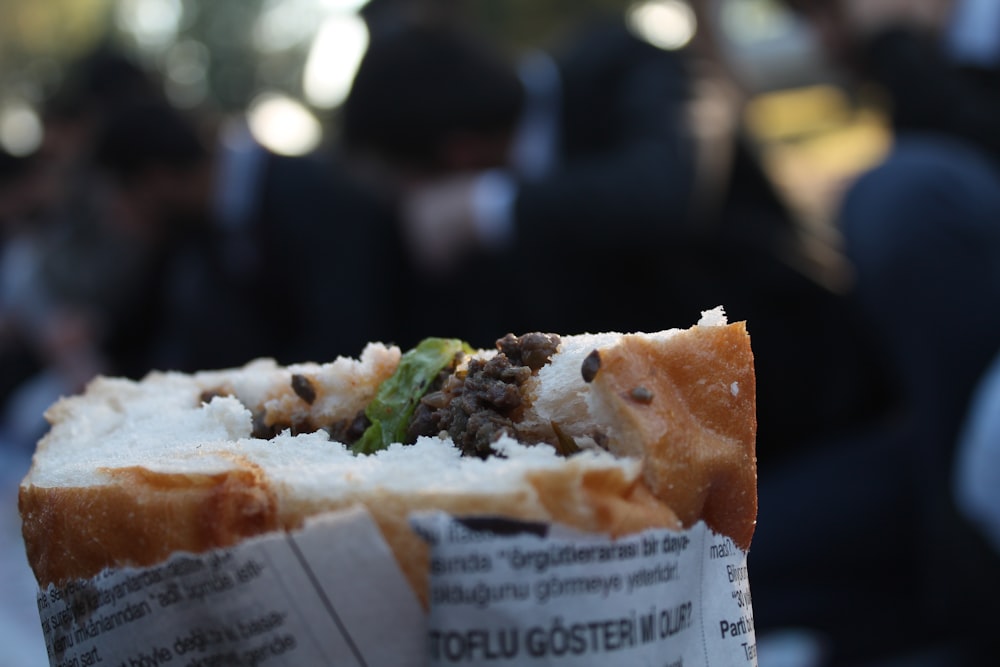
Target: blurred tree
<point>36,37</point>
<point>222,53</point>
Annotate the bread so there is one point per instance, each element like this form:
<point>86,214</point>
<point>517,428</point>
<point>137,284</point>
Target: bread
<point>131,472</point>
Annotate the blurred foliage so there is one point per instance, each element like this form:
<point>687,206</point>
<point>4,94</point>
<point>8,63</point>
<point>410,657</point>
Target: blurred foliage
<point>528,23</point>
<point>38,39</point>
<point>226,27</point>
<point>54,28</point>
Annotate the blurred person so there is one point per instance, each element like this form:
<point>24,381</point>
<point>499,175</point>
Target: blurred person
<point>887,548</point>
<point>48,343</point>
<point>66,272</point>
<point>249,253</point>
<point>17,357</point>
<point>93,262</point>
<point>923,223</point>
<point>930,210</point>
<point>567,194</point>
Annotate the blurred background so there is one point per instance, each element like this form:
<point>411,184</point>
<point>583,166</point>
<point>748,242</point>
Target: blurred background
<point>288,66</point>
<point>189,185</point>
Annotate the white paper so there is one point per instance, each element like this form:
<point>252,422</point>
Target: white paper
<point>660,597</point>
<point>332,594</point>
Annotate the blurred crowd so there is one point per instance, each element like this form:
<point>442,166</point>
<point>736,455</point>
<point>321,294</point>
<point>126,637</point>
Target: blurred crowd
<point>472,191</point>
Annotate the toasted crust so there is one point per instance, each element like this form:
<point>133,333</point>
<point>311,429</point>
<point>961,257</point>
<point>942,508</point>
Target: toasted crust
<point>688,409</point>
<point>140,519</point>
<point>144,517</point>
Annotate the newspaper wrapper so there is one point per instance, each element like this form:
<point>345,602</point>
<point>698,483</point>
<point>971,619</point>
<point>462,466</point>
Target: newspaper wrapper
<point>501,592</point>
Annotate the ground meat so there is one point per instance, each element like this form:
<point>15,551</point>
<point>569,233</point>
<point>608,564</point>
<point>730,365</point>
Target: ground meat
<point>349,431</point>
<point>478,406</point>
<point>532,350</point>
<point>296,426</point>
<point>481,412</point>
<point>425,421</point>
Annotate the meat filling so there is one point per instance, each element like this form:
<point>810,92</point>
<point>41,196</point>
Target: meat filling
<point>474,406</point>
<point>477,406</point>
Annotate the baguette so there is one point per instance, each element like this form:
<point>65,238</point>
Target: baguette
<point>133,471</point>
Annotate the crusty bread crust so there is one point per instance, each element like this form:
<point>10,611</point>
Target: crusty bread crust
<point>688,409</point>
<point>140,519</point>
<point>683,404</point>
<point>144,517</point>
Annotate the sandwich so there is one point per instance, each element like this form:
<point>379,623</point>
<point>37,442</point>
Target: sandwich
<point>603,433</point>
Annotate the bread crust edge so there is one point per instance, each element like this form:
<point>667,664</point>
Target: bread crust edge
<point>143,518</point>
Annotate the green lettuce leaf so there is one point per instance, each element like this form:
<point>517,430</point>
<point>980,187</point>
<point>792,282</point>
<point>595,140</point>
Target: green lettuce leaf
<point>398,396</point>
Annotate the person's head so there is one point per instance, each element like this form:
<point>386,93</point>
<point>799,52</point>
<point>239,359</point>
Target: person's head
<point>432,100</point>
<point>101,81</point>
<point>96,85</point>
<point>158,165</point>
<point>843,26</point>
